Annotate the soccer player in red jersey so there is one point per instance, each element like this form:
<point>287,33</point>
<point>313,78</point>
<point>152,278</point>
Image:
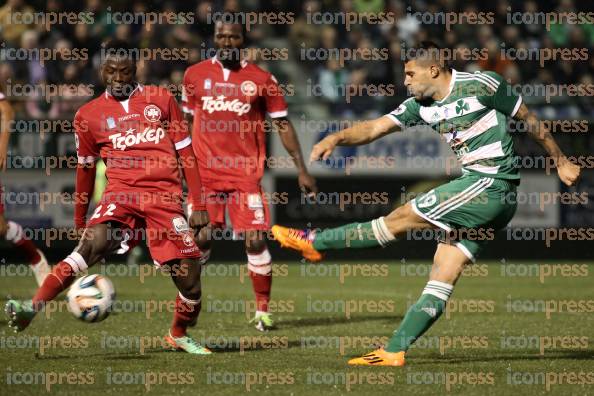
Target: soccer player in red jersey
<point>139,132</point>
<point>10,230</point>
<point>227,99</point>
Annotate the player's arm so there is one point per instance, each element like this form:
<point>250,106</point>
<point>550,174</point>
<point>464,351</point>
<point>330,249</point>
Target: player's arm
<point>277,110</point>
<point>188,101</point>
<point>189,166</point>
<point>569,173</point>
<point>178,130</point>
<point>7,115</point>
<point>87,152</point>
<point>85,185</point>
<point>359,134</point>
<point>288,137</point>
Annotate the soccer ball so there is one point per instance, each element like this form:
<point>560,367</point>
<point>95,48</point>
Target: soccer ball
<point>90,298</point>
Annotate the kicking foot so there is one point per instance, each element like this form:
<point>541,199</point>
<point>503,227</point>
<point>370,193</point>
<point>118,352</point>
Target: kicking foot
<point>20,314</point>
<point>263,321</point>
<point>187,344</point>
<point>379,357</point>
<point>300,240</point>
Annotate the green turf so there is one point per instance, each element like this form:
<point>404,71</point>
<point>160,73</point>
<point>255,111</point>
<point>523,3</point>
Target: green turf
<point>304,355</point>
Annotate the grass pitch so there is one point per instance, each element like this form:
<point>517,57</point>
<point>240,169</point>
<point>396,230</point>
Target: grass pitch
<point>514,329</point>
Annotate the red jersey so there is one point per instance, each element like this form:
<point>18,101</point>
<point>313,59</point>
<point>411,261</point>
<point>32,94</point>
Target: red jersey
<point>230,109</point>
<point>136,138</point>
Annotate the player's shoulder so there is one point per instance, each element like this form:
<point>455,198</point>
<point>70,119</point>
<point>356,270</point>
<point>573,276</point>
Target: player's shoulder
<point>411,104</point>
<point>407,108</point>
<point>198,68</point>
<point>489,79</point>
<point>155,91</point>
<point>258,73</point>
<point>89,109</point>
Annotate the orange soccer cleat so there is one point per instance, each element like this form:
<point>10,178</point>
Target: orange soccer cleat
<point>299,240</point>
<point>379,357</point>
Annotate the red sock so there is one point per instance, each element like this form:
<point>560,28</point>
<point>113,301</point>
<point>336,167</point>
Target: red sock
<point>260,269</point>
<point>261,285</point>
<point>186,312</point>
<point>59,280</point>
<point>29,249</point>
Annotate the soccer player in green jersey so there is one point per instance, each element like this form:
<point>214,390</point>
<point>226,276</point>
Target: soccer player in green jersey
<point>470,111</point>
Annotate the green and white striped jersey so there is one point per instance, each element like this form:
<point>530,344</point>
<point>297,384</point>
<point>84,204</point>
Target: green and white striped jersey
<point>472,119</point>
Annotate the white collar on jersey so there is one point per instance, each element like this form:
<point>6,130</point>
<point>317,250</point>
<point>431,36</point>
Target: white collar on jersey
<point>226,71</point>
<point>125,103</point>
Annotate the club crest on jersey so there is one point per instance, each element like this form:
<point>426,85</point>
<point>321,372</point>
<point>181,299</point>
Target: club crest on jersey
<point>248,88</point>
<point>149,135</point>
<point>111,123</point>
<point>207,83</point>
<point>152,113</point>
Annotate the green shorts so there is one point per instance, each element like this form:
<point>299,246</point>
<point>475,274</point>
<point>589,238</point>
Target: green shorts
<point>470,209</point>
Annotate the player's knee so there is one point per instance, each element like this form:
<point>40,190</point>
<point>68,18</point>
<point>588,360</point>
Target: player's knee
<point>448,264</point>
<point>189,279</point>
<point>255,244</point>
<point>95,245</point>
<point>191,291</point>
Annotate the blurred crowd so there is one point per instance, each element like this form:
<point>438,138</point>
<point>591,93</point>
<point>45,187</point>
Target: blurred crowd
<point>327,74</point>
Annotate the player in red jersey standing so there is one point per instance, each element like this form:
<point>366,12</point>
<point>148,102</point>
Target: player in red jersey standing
<point>10,230</point>
<point>139,132</point>
<point>227,99</point>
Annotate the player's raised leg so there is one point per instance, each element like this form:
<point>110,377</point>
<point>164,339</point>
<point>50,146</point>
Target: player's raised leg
<point>186,276</point>
<point>374,233</point>
<point>448,263</point>
<point>260,270</point>
<point>13,232</point>
<point>96,242</point>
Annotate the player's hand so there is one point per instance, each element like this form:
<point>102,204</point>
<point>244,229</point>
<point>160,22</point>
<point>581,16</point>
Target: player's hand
<point>324,148</point>
<point>198,219</point>
<point>307,184</point>
<point>569,173</point>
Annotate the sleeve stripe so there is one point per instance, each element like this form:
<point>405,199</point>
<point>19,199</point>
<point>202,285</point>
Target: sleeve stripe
<point>278,114</point>
<point>393,118</point>
<point>183,143</point>
<point>488,77</point>
<point>186,109</point>
<point>517,106</point>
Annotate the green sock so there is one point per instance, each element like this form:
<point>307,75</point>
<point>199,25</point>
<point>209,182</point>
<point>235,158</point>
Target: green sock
<point>354,236</point>
<point>421,316</point>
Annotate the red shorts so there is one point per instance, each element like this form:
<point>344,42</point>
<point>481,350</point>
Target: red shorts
<point>247,207</point>
<point>163,225</point>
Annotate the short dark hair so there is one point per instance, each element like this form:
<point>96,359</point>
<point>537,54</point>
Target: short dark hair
<point>232,18</point>
<point>427,50</point>
<point>120,48</point>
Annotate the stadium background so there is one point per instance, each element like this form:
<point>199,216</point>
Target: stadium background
<point>313,111</point>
